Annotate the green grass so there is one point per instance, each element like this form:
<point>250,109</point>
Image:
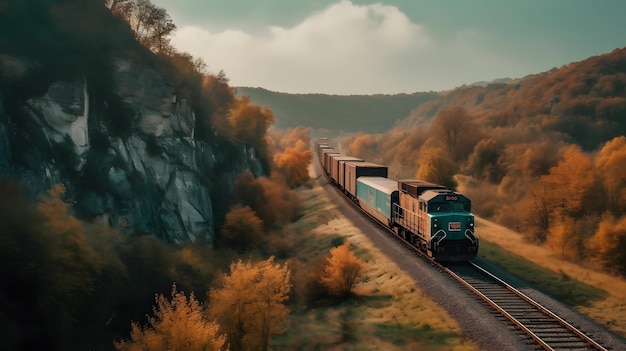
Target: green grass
<point>400,335</point>
<point>556,284</point>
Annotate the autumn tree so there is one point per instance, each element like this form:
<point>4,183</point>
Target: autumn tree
<point>570,181</point>
<point>294,137</point>
<point>563,238</point>
<point>341,270</point>
<point>269,198</point>
<point>537,212</point>
<point>435,166</point>
<point>362,145</point>
<point>242,227</point>
<point>611,166</point>
<point>272,287</point>
<point>178,325</point>
<point>250,123</point>
<point>455,124</point>
<point>151,24</point>
<point>608,245</point>
<point>249,303</point>
<point>294,163</point>
<point>483,163</point>
<point>561,193</point>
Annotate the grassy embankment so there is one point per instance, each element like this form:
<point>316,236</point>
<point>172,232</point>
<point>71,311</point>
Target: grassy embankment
<point>387,310</point>
<point>600,296</point>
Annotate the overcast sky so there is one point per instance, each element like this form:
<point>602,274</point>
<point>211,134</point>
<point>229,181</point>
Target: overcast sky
<point>402,46</point>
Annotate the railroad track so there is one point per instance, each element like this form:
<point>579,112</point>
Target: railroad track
<point>547,329</point>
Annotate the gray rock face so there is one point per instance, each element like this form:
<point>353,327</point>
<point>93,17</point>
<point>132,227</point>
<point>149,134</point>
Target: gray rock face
<point>156,179</point>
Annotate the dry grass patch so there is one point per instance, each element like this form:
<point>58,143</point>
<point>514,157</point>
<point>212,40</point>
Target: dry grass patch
<point>610,311</point>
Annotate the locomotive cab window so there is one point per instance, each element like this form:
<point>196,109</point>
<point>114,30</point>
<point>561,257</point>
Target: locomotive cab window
<point>439,207</point>
<point>460,207</point>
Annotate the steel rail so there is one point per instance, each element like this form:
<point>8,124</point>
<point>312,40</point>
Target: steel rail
<point>540,307</point>
<point>499,309</point>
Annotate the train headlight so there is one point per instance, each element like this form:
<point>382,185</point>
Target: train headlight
<point>435,225</point>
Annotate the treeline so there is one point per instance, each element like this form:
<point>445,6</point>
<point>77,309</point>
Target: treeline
<point>339,113</point>
<point>545,155</point>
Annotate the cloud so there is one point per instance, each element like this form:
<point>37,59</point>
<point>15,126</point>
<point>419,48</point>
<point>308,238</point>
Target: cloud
<point>343,49</point>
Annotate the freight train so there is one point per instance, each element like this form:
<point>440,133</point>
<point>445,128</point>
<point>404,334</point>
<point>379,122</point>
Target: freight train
<point>434,219</point>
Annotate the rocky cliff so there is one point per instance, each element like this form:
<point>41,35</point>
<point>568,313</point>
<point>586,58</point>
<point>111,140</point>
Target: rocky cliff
<point>152,175</point>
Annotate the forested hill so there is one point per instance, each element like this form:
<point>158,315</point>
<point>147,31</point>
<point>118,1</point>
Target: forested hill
<point>581,102</point>
<point>545,155</point>
<point>338,113</point>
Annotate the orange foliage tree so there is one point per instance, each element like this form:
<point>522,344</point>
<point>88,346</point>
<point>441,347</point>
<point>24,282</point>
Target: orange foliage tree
<point>483,163</point>
<point>611,166</point>
<point>608,245</point>
<point>570,181</point>
<point>559,194</point>
<point>178,325</point>
<point>341,270</point>
<point>250,123</point>
<point>249,303</point>
<point>297,137</point>
<point>269,198</point>
<point>294,163</point>
<point>435,166</point>
<point>564,239</point>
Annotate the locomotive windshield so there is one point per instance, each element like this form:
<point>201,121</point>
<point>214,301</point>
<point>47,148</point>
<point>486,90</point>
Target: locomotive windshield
<point>436,207</point>
<point>439,207</point>
<point>460,207</point>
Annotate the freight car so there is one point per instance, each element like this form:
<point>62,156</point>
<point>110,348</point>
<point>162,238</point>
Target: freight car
<point>353,170</point>
<point>429,216</point>
<point>335,165</point>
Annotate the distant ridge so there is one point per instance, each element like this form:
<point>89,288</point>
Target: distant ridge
<point>337,113</point>
<point>484,83</point>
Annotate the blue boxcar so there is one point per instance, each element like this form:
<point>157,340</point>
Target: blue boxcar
<point>376,196</point>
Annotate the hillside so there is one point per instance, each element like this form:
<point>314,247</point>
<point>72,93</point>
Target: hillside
<point>581,102</point>
<point>339,113</point>
<point>545,155</point>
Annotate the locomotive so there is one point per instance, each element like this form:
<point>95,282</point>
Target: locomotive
<point>432,218</point>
